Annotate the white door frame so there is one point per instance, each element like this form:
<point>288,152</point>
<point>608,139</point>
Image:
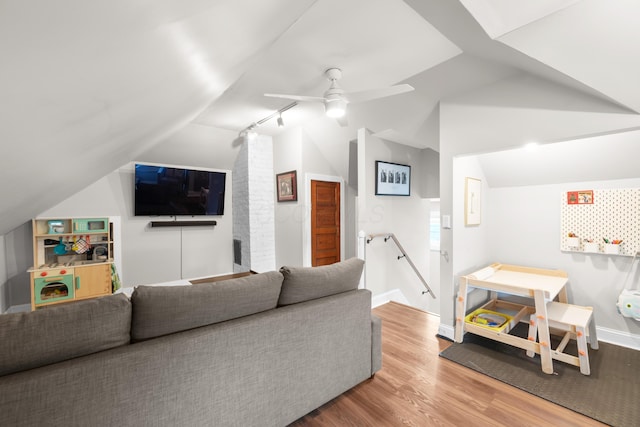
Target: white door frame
<point>306,232</point>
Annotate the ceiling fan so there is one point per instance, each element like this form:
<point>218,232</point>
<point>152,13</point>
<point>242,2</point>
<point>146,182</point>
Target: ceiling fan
<point>335,99</point>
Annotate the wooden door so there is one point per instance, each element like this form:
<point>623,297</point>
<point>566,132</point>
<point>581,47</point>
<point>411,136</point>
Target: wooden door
<point>325,222</point>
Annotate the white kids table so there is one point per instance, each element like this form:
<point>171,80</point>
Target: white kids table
<point>539,284</point>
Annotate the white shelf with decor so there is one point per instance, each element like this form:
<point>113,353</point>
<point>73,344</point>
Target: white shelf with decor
<point>600,221</point>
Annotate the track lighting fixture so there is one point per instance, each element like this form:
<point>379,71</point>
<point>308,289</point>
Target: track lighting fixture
<point>252,126</point>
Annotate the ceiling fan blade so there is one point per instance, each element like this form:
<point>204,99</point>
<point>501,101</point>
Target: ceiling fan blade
<point>296,97</point>
<point>368,95</point>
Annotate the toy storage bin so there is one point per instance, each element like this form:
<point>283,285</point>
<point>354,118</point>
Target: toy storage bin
<point>610,248</point>
<point>573,242</point>
<point>481,315</point>
<point>591,247</point>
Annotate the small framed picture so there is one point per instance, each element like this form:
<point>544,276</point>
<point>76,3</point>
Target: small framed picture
<point>287,186</point>
<point>392,179</point>
<point>584,197</point>
<point>472,201</point>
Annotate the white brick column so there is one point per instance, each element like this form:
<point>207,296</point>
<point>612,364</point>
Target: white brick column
<point>254,206</point>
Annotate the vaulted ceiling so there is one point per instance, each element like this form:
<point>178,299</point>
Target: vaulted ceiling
<point>85,87</point>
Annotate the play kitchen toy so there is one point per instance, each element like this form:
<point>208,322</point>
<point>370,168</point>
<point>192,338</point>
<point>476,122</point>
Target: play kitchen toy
<point>66,264</point>
<point>60,248</point>
<point>53,286</point>
<point>56,226</point>
<point>81,246</point>
<point>100,253</point>
<point>91,225</point>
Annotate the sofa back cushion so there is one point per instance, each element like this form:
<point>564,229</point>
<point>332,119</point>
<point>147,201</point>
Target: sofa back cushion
<point>162,310</point>
<point>61,332</point>
<point>306,283</point>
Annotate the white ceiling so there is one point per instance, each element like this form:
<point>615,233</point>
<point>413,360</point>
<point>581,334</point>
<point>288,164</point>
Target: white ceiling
<point>86,87</point>
<point>600,158</point>
<point>498,17</point>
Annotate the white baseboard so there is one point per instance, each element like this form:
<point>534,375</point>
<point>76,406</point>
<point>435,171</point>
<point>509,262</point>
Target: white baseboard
<point>446,331</point>
<point>392,295</point>
<point>623,339</point>
<point>18,308</point>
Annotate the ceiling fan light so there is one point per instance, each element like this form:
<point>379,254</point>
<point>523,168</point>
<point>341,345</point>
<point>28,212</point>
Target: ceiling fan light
<point>335,108</point>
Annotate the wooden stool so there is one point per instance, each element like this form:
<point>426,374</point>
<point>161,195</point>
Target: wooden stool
<point>575,320</point>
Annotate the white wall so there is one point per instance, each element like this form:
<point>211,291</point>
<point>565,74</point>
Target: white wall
<point>18,258</point>
<point>471,241</point>
<point>406,217</point>
<point>524,227</point>
<point>521,224</point>
<point>289,216</point>
<point>473,253</point>
<point>197,145</point>
<point>319,149</point>
<point>148,255</point>
<point>524,108</point>
<point>152,255</point>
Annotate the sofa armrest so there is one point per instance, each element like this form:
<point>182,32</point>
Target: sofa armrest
<point>376,344</point>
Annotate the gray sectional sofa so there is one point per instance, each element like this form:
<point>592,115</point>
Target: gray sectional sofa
<point>261,350</point>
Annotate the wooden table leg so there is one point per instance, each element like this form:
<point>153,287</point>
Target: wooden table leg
<point>544,338</point>
<point>461,309</point>
<point>562,295</point>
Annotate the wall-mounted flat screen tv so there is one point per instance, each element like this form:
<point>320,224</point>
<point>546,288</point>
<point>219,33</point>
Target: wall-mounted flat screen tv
<point>165,190</point>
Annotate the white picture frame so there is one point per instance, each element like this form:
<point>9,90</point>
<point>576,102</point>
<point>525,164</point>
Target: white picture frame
<point>472,201</point>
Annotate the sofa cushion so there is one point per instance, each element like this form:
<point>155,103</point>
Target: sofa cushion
<point>306,283</point>
<point>61,332</point>
<point>164,310</point>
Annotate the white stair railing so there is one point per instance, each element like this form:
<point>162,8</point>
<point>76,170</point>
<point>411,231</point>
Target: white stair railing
<point>391,236</point>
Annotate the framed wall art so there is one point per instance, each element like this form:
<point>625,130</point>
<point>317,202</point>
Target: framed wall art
<point>392,179</point>
<point>472,201</point>
<point>584,197</point>
<point>287,186</point>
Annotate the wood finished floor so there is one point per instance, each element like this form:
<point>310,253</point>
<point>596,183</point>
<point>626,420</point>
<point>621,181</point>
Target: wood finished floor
<point>416,387</point>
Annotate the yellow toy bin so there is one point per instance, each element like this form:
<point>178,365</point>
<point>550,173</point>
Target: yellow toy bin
<point>488,319</point>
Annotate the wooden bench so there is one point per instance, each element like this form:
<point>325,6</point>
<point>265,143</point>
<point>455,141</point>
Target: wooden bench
<point>577,322</point>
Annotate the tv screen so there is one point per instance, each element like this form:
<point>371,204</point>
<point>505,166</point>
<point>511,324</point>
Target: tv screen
<point>162,190</point>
